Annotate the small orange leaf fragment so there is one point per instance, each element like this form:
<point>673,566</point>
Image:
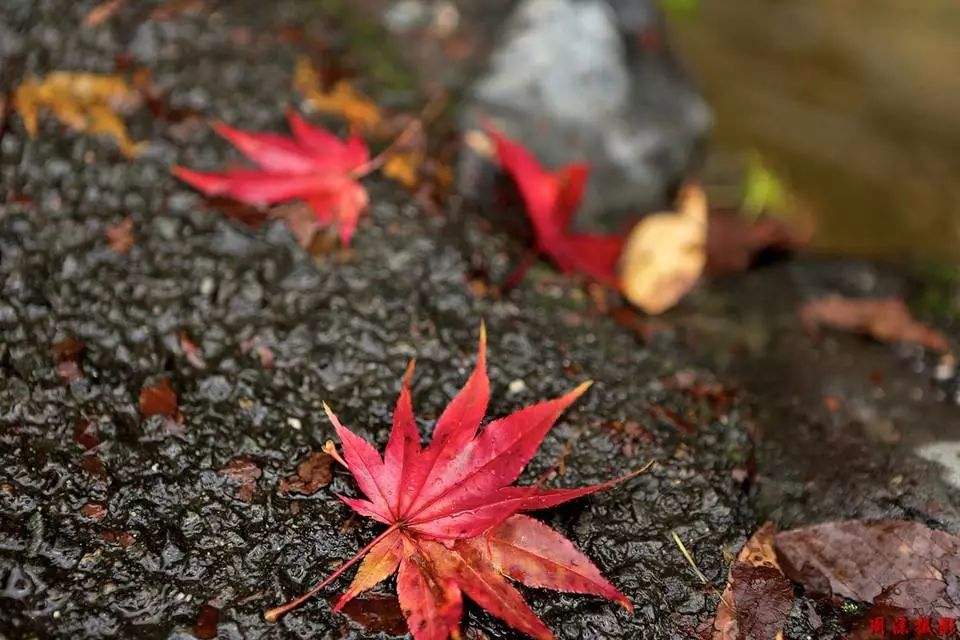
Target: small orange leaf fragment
<point>342,99</point>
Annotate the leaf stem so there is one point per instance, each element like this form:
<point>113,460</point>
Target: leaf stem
<point>428,113</point>
<point>274,614</point>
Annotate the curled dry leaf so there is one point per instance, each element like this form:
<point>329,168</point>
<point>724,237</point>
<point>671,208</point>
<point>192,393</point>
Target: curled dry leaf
<point>312,473</point>
<point>452,514</point>
<point>120,235</point>
<point>551,199</point>
<point>313,166</point>
<point>734,241</point>
<point>758,597</point>
<point>666,253</point>
<point>82,101</point>
<point>889,563</point>
<point>245,472</point>
<point>343,100</point>
<point>884,319</point>
<point>159,400</point>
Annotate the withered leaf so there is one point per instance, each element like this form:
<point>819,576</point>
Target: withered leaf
<point>82,101</point>
<point>191,351</point>
<point>343,100</point>
<point>245,472</point>
<point>884,319</point>
<point>68,352</point>
<point>159,400</point>
<point>893,563</point>
<point>758,597</point>
<point>208,619</point>
<point>312,473</point>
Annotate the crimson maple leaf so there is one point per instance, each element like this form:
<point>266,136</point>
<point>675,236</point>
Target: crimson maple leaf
<point>452,516</point>
<point>313,165</point>
<point>551,199</point>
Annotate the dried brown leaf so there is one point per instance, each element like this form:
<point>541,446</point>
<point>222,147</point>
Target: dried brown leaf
<point>120,235</point>
<point>312,473</point>
<point>342,99</point>
<point>159,400</point>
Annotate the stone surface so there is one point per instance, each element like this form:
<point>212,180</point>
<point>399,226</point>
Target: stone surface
<point>584,80</point>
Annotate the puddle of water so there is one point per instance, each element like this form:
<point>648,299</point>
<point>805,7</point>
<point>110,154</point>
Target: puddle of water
<point>856,103</point>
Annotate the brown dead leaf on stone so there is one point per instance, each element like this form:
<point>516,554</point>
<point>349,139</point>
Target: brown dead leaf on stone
<point>94,511</point>
<point>120,538</point>
<point>82,101</point>
<point>343,100</point>
<point>159,400</point>
<point>758,597</point>
<point>665,253</point>
<point>300,219</point>
<point>120,235</point>
<point>244,471</point>
<point>884,319</point>
<point>312,473</point>
<point>262,350</point>
<point>888,563</point>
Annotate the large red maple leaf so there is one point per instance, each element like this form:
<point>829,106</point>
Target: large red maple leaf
<point>313,165</point>
<point>452,516</point>
<point>551,199</point>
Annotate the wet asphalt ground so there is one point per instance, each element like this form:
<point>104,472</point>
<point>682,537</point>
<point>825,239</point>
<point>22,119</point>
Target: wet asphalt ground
<point>735,421</point>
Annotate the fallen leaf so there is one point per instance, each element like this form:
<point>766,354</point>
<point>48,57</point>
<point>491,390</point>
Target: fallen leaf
<point>343,100</point>
<point>452,518</point>
<point>758,597</point>
<point>734,241</point>
<point>884,319</point>
<point>68,352</point>
<point>86,434</point>
<point>263,351</point>
<point>376,614</point>
<point>890,563</point>
<point>93,511</point>
<point>120,235</point>
<point>404,167</point>
<point>313,166</point>
<point>82,101</point>
<point>121,538</point>
<point>159,400</point>
<point>208,619</point>
<point>666,253</point>
<point>102,12</point>
<point>551,198</point>
<point>763,192</point>
<point>191,351</point>
<point>312,473</point>
<point>245,472</point>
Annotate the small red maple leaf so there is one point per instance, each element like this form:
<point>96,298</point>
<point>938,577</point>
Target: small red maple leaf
<point>313,165</point>
<point>452,514</point>
<point>551,198</point>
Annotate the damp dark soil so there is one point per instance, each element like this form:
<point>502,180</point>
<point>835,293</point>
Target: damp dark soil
<point>116,525</point>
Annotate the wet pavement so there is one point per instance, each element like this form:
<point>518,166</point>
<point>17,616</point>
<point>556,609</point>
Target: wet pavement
<point>112,524</point>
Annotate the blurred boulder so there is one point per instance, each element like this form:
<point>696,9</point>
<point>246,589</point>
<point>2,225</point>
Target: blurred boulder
<point>594,81</point>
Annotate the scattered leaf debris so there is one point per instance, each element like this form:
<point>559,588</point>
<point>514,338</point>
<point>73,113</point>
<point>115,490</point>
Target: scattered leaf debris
<point>102,12</point>
<point>734,242</point>
<point>245,472</point>
<point>120,235</point>
<point>68,352</point>
<point>883,319</point>
<point>159,400</point>
<point>312,473</point>
<point>82,101</point>
<point>376,614</point>
<point>119,538</point>
<point>86,433</point>
<point>94,511</point>
<point>208,619</point>
<point>191,351</point>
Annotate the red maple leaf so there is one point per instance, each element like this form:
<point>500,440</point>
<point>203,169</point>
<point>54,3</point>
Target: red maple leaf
<point>551,198</point>
<point>313,165</point>
<point>452,516</point>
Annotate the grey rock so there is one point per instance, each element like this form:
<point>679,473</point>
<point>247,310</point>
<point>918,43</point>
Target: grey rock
<point>573,81</point>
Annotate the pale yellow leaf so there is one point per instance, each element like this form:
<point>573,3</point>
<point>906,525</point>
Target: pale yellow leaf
<point>665,253</point>
<point>342,99</point>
